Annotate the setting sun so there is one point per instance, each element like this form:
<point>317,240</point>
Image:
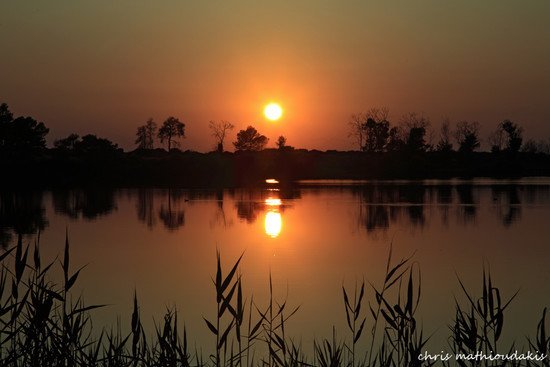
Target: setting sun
<point>273,111</point>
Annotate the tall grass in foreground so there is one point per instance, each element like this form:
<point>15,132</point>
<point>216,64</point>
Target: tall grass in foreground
<point>43,324</point>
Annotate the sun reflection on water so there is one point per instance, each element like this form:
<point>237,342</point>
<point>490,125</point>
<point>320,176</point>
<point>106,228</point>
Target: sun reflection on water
<point>273,223</point>
<point>273,220</point>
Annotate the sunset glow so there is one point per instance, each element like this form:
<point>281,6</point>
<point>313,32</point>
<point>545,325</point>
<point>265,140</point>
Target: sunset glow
<point>273,224</point>
<point>273,112</point>
<point>273,202</point>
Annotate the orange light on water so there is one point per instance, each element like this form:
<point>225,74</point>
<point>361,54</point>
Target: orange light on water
<point>273,202</point>
<point>273,224</point>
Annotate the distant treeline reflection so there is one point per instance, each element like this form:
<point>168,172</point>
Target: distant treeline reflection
<point>379,206</point>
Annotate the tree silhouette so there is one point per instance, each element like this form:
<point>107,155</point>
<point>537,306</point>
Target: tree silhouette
<point>356,132</point>
<point>370,129</point>
<point>145,135</point>
<point>250,140</point>
<point>514,133</point>
<point>5,114</point>
<point>496,140</point>
<point>376,129</point>
<point>171,129</point>
<point>92,145</point>
<point>415,128</point>
<point>532,146</point>
<point>21,133</point>
<point>445,144</point>
<point>466,135</point>
<point>219,132</point>
<point>281,142</point>
<point>67,144</point>
<point>395,140</point>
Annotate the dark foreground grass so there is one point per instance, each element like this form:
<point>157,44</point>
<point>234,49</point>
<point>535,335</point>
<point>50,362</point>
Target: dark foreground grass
<point>43,324</point>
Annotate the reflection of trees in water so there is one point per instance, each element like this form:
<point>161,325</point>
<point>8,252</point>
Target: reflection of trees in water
<point>373,217</point>
<point>414,196</point>
<point>171,213</point>
<point>382,205</point>
<point>507,203</point>
<point>145,207</point>
<point>444,199</point>
<point>467,209</point>
<point>21,212</point>
<point>251,203</point>
<point>249,210</point>
<point>220,218</point>
<point>89,203</point>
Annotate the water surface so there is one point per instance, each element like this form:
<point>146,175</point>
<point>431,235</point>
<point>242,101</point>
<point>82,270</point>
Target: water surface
<point>312,238</point>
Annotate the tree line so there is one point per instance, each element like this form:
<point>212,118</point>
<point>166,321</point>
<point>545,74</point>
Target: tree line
<point>370,131</point>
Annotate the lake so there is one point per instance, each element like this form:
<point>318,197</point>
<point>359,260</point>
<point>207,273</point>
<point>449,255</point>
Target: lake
<point>312,237</point>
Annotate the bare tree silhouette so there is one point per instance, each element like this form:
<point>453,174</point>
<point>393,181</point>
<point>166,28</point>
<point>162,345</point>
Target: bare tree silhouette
<point>145,135</point>
<point>220,129</point>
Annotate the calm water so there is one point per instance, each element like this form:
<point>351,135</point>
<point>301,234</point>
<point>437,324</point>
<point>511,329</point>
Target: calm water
<point>312,238</point>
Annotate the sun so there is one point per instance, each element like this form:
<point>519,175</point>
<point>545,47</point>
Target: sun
<point>273,111</point>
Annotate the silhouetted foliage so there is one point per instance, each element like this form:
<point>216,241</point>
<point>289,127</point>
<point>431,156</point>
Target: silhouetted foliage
<point>145,135</point>
<point>67,144</point>
<point>5,114</point>
<point>250,140</point>
<point>376,129</point>
<point>395,142</point>
<point>171,129</point>
<point>370,129</point>
<point>220,129</point>
<point>444,144</point>
<point>92,145</point>
<point>356,132</point>
<point>281,144</point>
<point>536,147</point>
<point>22,134</point>
<point>414,132</point>
<point>466,135</point>
<point>514,133</point>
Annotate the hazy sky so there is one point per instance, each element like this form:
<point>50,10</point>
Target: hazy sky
<point>105,67</point>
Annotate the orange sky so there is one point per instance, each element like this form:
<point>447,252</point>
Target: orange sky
<point>105,67</point>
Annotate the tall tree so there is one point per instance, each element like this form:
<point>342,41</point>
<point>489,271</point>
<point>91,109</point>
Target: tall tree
<point>145,135</point>
<point>281,142</point>
<point>415,127</point>
<point>370,129</point>
<point>356,132</point>
<point>22,134</point>
<point>6,117</point>
<point>220,129</point>
<point>467,136</point>
<point>515,135</point>
<point>496,140</point>
<point>445,144</point>
<point>171,129</point>
<point>5,114</point>
<point>250,140</point>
